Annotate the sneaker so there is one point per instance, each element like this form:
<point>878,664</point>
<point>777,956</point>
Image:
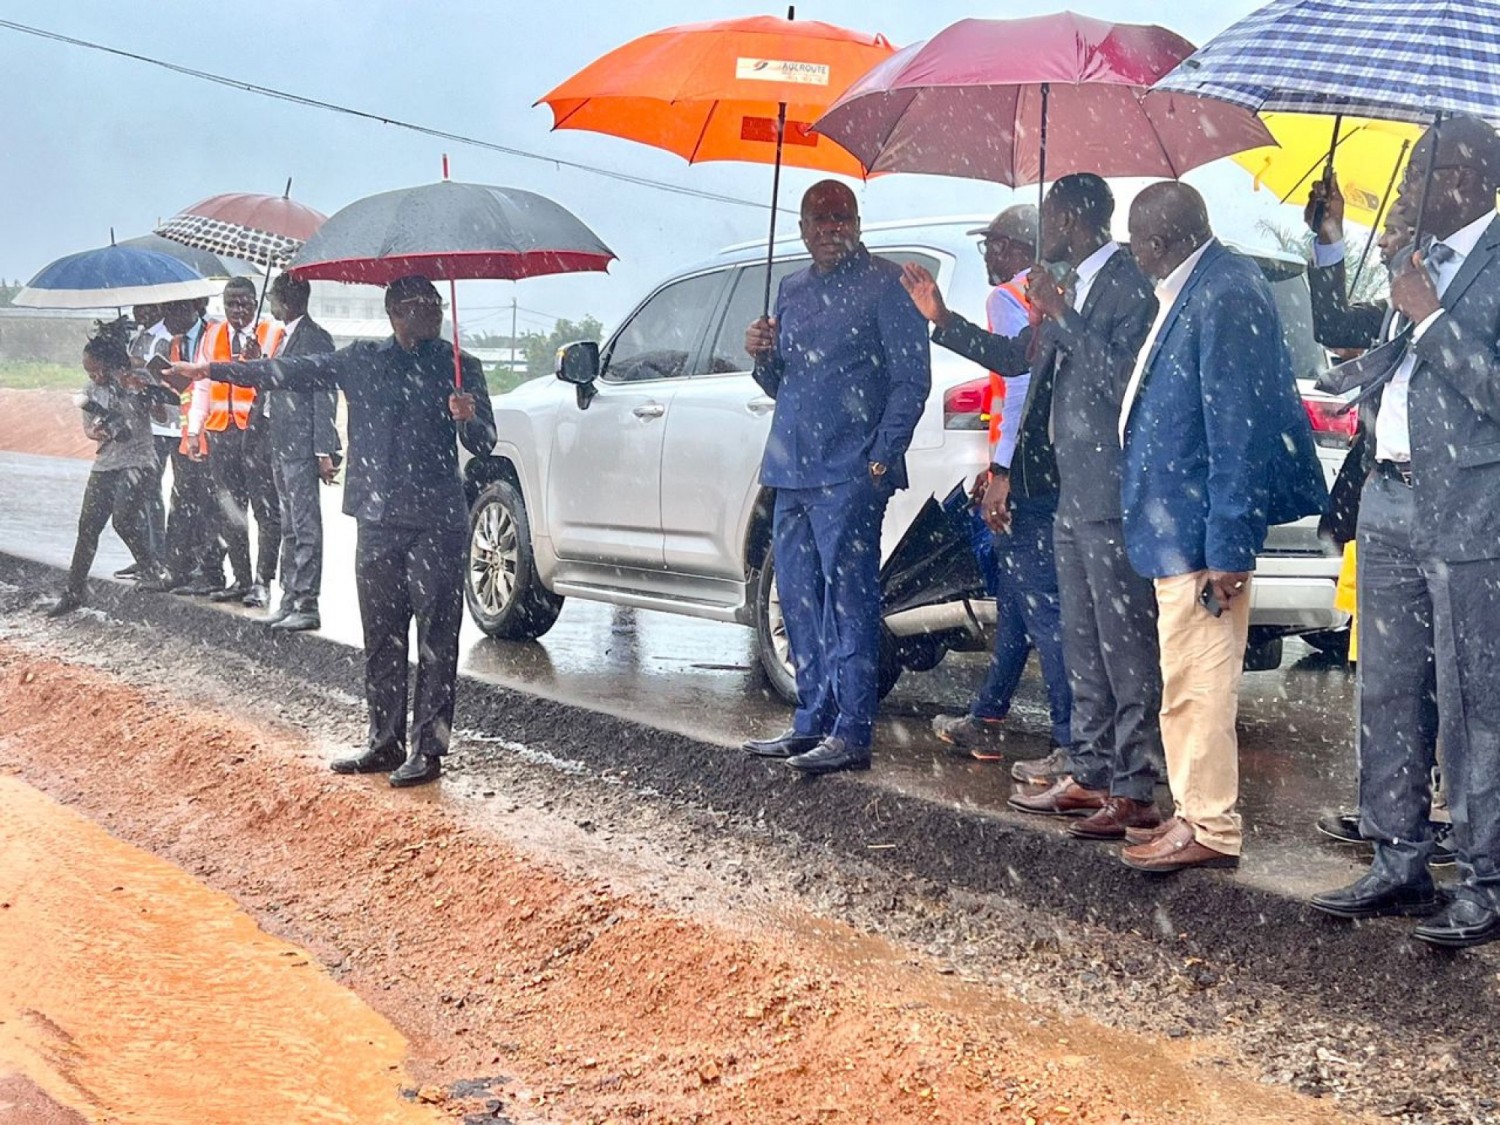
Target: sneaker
<point>1042,771</point>
<point>127,572</point>
<point>972,734</point>
<point>1443,854</point>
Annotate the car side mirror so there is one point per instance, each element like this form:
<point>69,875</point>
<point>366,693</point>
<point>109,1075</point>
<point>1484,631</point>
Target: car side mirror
<point>578,364</point>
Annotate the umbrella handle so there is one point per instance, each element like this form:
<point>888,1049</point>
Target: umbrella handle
<point>1041,178</point>
<point>458,364</point>
<point>1379,216</point>
<point>1321,207</point>
<point>765,304</point>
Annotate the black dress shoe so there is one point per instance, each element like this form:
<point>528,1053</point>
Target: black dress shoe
<point>1372,897</point>
<point>126,572</point>
<point>229,594</point>
<point>156,583</point>
<point>66,604</point>
<point>419,769</point>
<point>371,761</point>
<point>280,613</point>
<point>1343,827</point>
<point>787,744</point>
<point>1460,924</point>
<point>197,588</point>
<point>299,621</point>
<point>830,756</point>
<point>257,597</point>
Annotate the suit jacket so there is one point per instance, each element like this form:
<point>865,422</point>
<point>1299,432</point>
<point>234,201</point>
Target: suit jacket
<point>302,421</point>
<point>1454,412</point>
<point>1217,445</point>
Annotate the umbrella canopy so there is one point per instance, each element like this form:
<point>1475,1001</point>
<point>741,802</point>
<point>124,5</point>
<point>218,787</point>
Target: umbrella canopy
<point>265,229</point>
<point>114,276</point>
<point>206,263</point>
<point>1369,157</point>
<point>713,91</point>
<point>934,562</point>
<point>450,231</point>
<point>1391,59</point>
<point>969,102</point>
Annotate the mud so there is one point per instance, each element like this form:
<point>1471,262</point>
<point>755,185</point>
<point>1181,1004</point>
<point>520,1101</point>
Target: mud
<point>746,880</point>
<point>45,422</point>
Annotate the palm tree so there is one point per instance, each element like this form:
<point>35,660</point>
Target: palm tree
<point>1371,283</point>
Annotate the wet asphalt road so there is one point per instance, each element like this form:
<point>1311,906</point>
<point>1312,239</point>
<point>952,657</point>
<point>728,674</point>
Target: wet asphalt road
<point>700,678</point>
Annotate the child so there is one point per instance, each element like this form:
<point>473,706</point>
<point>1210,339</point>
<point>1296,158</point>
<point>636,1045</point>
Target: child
<point>117,408</point>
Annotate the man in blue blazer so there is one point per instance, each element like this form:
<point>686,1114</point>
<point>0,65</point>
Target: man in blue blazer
<point>1216,448</point>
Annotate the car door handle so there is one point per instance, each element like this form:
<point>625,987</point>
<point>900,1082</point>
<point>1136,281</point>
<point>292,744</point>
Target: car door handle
<point>649,410</point>
<point>760,405</point>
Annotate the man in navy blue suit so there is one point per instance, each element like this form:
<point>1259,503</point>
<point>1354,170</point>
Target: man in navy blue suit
<point>846,359</point>
<point>1216,448</point>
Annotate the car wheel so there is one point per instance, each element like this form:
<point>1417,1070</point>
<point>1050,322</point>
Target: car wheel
<point>1263,657</point>
<point>775,650</point>
<point>1332,642</point>
<point>505,597</point>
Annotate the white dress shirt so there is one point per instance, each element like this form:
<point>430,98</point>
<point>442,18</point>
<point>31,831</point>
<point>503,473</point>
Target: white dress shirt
<point>286,334</point>
<point>1392,428</point>
<point>1088,269</point>
<point>1167,292</point>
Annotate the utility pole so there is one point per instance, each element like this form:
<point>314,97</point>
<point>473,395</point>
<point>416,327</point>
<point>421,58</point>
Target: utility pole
<point>513,334</point>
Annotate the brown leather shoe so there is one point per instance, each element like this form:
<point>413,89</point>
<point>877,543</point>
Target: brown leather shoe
<point>1146,835</point>
<point>1175,849</point>
<point>1064,798</point>
<point>1117,815</point>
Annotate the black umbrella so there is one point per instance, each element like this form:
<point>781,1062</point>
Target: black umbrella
<point>450,232</point>
<point>934,562</point>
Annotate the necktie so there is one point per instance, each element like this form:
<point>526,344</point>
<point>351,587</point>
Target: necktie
<point>235,344</point>
<point>1438,255</point>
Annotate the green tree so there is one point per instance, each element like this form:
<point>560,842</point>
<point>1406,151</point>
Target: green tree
<point>8,293</point>
<point>541,347</point>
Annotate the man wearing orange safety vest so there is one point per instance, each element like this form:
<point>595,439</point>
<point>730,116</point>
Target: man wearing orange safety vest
<point>238,449</point>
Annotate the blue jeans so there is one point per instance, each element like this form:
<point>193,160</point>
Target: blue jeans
<point>827,544</point>
<point>1027,614</point>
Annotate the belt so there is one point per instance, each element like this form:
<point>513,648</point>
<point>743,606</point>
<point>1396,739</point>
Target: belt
<point>1395,470</point>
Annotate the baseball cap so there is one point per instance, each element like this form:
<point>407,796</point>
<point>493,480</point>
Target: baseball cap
<point>1018,223</point>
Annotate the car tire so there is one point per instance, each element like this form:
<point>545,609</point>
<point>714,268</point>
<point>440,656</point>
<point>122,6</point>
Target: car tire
<point>1263,657</point>
<point>774,652</point>
<point>505,596</point>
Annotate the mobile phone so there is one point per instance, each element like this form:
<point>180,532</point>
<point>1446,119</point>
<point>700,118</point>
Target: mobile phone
<point>1210,600</point>
<point>157,364</point>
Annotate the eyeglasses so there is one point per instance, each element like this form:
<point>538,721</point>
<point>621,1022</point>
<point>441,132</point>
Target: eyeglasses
<point>411,304</point>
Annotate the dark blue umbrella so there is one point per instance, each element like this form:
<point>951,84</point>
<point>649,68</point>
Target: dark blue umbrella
<point>1397,60</point>
<point>206,263</point>
<point>114,277</point>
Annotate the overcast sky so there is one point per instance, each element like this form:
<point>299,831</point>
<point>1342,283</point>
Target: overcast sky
<point>94,141</point>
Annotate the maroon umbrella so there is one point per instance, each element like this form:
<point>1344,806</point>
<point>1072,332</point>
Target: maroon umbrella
<point>1015,101</point>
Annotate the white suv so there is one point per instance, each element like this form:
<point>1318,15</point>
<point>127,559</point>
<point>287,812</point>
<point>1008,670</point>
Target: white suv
<point>640,487</point>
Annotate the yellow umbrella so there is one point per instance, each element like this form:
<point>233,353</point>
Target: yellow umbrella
<point>1368,160</point>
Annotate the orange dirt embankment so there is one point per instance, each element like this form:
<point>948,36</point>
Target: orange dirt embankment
<point>598,1005</point>
<point>43,422</point>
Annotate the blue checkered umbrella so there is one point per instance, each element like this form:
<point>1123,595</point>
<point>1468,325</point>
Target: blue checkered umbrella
<point>1399,60</point>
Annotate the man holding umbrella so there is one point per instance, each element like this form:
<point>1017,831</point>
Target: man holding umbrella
<point>405,491</point>
<point>846,359</point>
<point>1429,555</point>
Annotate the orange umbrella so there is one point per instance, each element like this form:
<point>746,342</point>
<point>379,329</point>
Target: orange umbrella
<point>742,89</point>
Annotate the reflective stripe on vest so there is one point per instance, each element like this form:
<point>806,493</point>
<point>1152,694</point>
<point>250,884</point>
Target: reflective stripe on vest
<point>994,394</point>
<point>228,401</point>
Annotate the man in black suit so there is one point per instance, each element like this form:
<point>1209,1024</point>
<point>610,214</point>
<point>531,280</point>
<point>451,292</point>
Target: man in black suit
<point>404,488</point>
<point>303,444</point>
<point>1429,556</point>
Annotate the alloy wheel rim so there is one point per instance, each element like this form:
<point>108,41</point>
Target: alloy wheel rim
<point>494,557</point>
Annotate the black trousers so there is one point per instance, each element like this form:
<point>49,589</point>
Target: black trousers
<point>403,573</point>
<point>192,537</point>
<point>156,506</point>
<point>240,461</point>
<point>297,488</point>
<point>122,495</point>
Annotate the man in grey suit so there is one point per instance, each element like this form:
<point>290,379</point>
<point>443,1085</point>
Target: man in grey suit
<point>1429,556</point>
<point>1093,324</point>
<point>303,445</point>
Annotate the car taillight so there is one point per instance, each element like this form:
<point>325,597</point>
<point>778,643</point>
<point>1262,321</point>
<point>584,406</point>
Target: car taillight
<point>1331,423</point>
<point>965,406</point>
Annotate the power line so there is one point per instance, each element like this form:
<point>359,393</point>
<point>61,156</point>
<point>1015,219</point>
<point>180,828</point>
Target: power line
<point>425,130</point>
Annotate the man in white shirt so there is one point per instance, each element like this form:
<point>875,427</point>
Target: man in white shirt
<point>1429,555</point>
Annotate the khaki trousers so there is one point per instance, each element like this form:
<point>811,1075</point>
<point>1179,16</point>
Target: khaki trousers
<point>1202,658</point>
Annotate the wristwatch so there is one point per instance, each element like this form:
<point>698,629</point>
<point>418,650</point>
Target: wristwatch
<point>877,468</point>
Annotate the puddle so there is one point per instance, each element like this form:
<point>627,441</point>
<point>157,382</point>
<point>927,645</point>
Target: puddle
<point>132,993</point>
